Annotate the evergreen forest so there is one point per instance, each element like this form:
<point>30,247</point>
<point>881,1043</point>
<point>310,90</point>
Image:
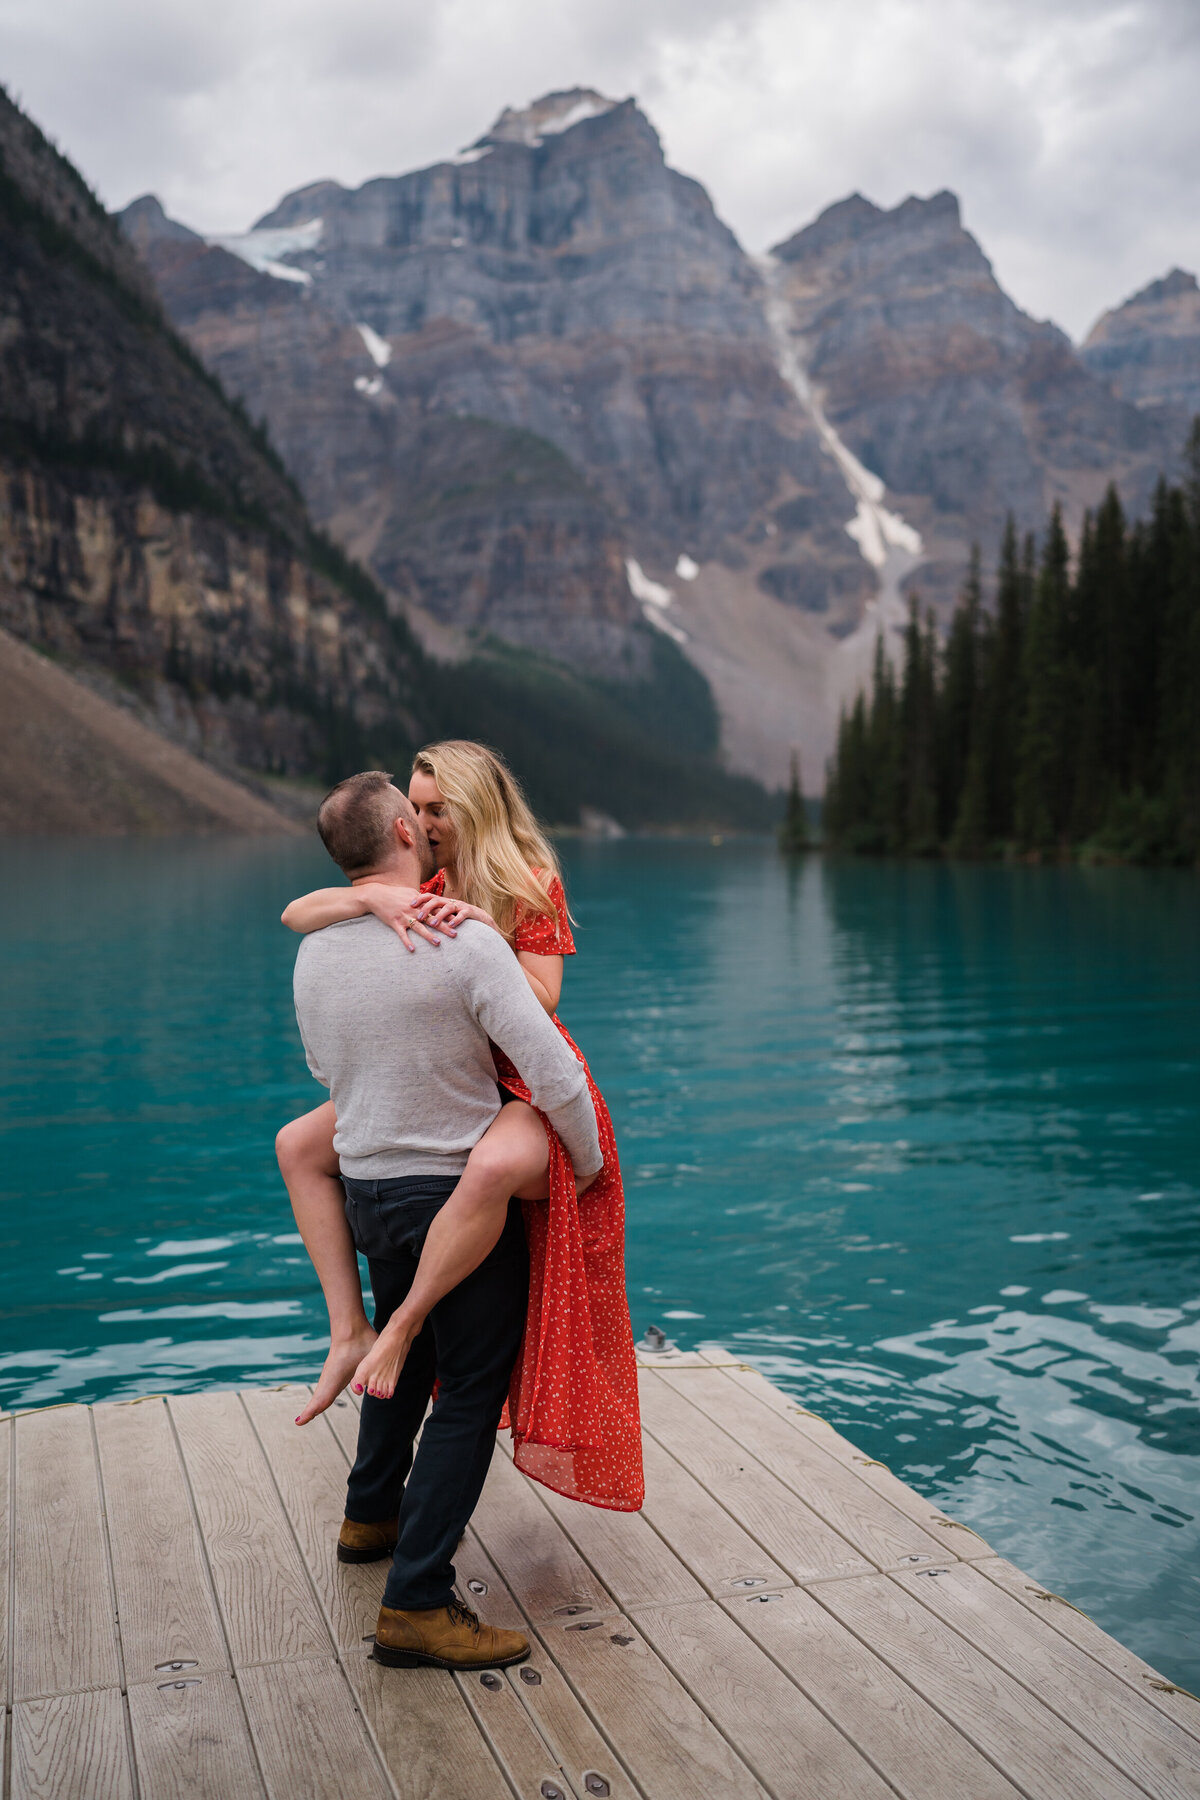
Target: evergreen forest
<point>1060,714</point>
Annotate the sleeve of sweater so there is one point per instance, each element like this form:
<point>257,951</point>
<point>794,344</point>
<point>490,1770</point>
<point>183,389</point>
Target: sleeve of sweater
<point>503,1002</point>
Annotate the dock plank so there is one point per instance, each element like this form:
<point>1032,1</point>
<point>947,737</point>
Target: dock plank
<point>164,1597</point>
<point>310,1473</point>
<point>71,1747</point>
<point>1030,1743</point>
<point>1183,1708</point>
<point>269,1610</point>
<point>64,1636</point>
<point>425,1733</point>
<point>1126,1728</point>
<point>343,1422</point>
<point>956,1539</point>
<point>672,1743</point>
<point>309,1733</point>
<point>791,1746</point>
<point>511,1735</point>
<point>561,1720</point>
<point>790,1536</point>
<point>190,1741</point>
<point>544,1571</point>
<point>720,1553</point>
<point>914,1747</point>
<point>635,1563</point>
<point>884,1536</point>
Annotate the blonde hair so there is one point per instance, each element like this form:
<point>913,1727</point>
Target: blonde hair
<point>502,861</point>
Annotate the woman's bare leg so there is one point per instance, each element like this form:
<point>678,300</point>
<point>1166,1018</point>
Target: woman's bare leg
<point>309,1166</point>
<point>511,1159</point>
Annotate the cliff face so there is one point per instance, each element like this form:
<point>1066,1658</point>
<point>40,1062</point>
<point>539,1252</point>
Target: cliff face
<point>1148,350</point>
<point>964,405</point>
<point>143,527</point>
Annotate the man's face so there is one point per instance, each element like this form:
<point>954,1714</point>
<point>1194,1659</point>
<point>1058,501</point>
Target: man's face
<point>423,848</point>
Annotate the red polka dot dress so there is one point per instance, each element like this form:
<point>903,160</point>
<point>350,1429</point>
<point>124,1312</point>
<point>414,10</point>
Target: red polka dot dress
<point>573,1400</point>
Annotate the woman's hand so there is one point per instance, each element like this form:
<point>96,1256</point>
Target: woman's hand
<point>404,909</point>
<point>445,913</point>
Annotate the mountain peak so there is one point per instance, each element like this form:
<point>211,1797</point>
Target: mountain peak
<point>548,117</point>
<point>1168,287</point>
<point>144,221</point>
<point>857,217</point>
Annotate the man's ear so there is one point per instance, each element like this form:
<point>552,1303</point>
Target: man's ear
<point>404,832</point>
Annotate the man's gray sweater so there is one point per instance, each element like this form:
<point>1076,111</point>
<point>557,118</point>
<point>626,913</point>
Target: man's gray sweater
<point>401,1041</point>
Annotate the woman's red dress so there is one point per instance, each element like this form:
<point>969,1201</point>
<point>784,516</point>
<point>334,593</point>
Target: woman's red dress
<point>573,1400</point>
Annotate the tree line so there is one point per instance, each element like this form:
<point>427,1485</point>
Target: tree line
<point>1059,716</point>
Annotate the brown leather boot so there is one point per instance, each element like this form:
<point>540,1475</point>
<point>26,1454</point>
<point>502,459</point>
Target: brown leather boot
<point>449,1637</point>
<point>366,1543</point>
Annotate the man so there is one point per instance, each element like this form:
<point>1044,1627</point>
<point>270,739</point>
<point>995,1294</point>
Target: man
<point>402,1043</point>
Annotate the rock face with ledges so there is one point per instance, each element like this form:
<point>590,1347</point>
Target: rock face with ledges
<point>966,407</point>
<point>557,279</point>
<point>205,601</point>
<point>1148,350</point>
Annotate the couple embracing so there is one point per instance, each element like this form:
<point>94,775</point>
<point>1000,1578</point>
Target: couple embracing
<point>466,1152</point>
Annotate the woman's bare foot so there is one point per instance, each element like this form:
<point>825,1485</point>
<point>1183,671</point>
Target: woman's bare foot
<point>379,1370</point>
<point>340,1365</point>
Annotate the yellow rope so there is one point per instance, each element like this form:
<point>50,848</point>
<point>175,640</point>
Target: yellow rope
<point>23,1412</point>
<point>957,1525</point>
<point>1169,1687</point>
<point>1044,1594</point>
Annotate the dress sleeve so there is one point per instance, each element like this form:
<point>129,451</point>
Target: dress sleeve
<point>542,936</point>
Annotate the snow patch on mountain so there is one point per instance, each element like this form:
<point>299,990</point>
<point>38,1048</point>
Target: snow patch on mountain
<point>592,106</point>
<point>654,599</point>
<point>475,154</point>
<point>262,249</point>
<point>549,117</point>
<point>377,348</point>
<point>887,541</point>
<point>685,568</point>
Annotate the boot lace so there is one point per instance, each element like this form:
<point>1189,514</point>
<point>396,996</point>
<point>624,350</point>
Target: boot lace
<point>462,1615</point>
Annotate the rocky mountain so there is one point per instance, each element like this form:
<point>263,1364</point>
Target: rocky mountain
<point>966,407</point>
<point>529,385</point>
<point>151,539</point>
<point>541,390</point>
<point>144,528</point>
<point>1148,350</point>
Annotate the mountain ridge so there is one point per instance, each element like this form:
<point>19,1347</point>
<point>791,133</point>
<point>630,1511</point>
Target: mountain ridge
<point>725,415</point>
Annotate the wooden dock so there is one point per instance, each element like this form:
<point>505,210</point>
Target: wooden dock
<point>785,1618</point>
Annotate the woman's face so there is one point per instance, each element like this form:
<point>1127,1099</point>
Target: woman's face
<point>433,813</point>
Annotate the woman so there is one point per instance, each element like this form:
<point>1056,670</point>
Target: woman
<point>573,1400</point>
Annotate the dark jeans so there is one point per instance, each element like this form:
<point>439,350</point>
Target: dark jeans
<point>469,1343</point>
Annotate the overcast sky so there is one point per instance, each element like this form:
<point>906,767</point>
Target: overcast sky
<point>1070,128</point>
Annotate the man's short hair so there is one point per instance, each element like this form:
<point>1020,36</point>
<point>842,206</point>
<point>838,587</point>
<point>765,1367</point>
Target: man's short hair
<point>356,819</point>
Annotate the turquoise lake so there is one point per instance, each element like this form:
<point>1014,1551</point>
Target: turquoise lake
<point>921,1142</point>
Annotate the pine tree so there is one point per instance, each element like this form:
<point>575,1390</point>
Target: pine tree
<point>1180,684</point>
<point>1042,783</point>
<point>793,833</point>
<point>958,710</point>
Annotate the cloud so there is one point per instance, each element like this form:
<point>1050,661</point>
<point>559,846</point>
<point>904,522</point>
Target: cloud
<point>1068,127</point>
